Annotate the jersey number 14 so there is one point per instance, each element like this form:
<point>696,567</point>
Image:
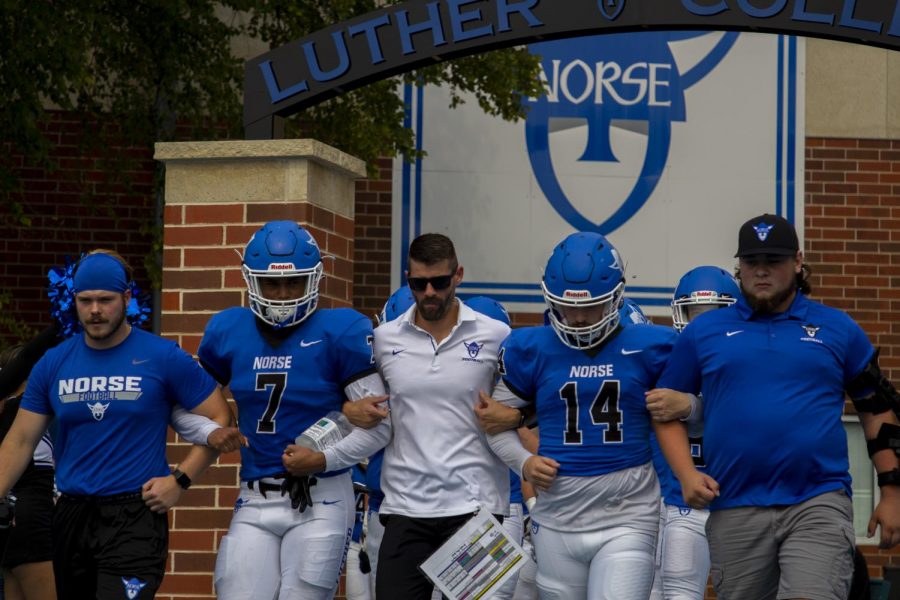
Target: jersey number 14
<point>604,411</point>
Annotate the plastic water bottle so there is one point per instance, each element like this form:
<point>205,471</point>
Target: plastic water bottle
<point>325,432</point>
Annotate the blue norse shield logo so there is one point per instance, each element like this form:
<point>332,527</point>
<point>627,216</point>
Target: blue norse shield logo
<point>630,82</point>
<point>611,8</point>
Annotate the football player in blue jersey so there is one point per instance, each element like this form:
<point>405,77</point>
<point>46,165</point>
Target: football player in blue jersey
<point>111,390</point>
<point>514,523</point>
<point>683,553</point>
<point>595,523</point>
<point>287,364</point>
<point>773,370</point>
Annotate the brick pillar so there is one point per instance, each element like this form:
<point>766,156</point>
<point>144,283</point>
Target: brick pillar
<point>217,195</point>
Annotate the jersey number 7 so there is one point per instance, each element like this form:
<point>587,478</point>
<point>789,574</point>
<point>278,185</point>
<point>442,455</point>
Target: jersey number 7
<point>604,411</point>
<point>275,382</point>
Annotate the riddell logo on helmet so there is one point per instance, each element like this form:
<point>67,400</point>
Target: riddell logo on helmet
<point>578,294</point>
<point>703,294</point>
<point>282,267</point>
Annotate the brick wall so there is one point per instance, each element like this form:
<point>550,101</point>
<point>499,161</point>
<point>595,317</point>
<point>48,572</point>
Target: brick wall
<point>73,208</point>
<point>372,259</point>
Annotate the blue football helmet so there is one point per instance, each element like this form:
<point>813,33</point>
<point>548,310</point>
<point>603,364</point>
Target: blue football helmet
<point>396,305</point>
<point>489,307</point>
<point>631,313</point>
<point>701,289</point>
<point>282,249</point>
<point>584,272</point>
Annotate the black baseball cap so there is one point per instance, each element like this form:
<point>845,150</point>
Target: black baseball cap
<point>767,234</point>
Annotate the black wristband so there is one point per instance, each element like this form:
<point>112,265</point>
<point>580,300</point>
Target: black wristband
<point>522,419</point>
<point>183,480</point>
<point>889,478</point>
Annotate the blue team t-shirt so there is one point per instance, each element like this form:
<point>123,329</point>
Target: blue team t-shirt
<point>113,408</point>
<point>773,396</point>
<point>282,389</point>
<point>590,405</point>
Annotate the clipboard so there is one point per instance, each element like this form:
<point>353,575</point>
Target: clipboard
<point>476,561</point>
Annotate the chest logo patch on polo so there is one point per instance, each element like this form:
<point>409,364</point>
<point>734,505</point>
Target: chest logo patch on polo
<point>473,348</point>
<point>811,331</point>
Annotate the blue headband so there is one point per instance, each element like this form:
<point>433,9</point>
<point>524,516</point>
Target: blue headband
<point>100,272</point>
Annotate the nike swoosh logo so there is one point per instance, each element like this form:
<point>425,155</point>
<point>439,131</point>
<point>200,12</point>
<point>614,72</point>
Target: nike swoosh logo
<point>330,501</point>
<point>135,361</point>
<point>395,352</point>
<point>731,333</point>
<point>627,352</point>
<point>305,344</point>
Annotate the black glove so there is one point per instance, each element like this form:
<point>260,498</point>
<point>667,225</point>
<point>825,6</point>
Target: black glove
<point>298,489</point>
<point>365,565</point>
<point>7,512</point>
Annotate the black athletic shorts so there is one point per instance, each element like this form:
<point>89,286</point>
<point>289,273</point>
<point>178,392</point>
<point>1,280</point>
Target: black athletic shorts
<point>30,541</point>
<point>406,543</point>
<point>108,547</point>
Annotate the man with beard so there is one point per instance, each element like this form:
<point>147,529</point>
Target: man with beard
<point>773,369</point>
<point>438,468</point>
<point>111,390</point>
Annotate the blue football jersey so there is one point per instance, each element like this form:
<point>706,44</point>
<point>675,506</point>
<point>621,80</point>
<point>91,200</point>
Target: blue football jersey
<point>773,395</point>
<point>515,488</point>
<point>669,486</point>
<point>590,405</point>
<point>112,407</point>
<point>281,389</point>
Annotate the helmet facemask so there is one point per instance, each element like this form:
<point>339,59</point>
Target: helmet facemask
<point>283,313</point>
<point>588,336</point>
<point>681,313</point>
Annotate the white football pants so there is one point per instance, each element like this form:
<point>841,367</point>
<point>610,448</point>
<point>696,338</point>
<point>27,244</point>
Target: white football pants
<point>273,551</point>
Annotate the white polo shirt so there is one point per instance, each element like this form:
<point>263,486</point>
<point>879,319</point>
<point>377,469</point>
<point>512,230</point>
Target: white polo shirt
<point>438,462</point>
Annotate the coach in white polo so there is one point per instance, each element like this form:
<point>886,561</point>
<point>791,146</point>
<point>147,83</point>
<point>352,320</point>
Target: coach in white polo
<point>438,467</point>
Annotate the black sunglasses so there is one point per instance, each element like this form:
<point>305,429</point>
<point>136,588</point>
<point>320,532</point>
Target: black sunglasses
<point>419,284</point>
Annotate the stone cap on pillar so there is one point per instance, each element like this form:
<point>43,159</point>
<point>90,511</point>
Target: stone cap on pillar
<point>266,171</point>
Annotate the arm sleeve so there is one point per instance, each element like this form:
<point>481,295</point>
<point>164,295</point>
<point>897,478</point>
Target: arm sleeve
<point>189,385</point>
<point>508,448</point>
<point>192,428</point>
<point>358,445</point>
<point>19,368</point>
<point>507,445</point>
<point>504,395</point>
<point>682,371</point>
<point>370,385</point>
